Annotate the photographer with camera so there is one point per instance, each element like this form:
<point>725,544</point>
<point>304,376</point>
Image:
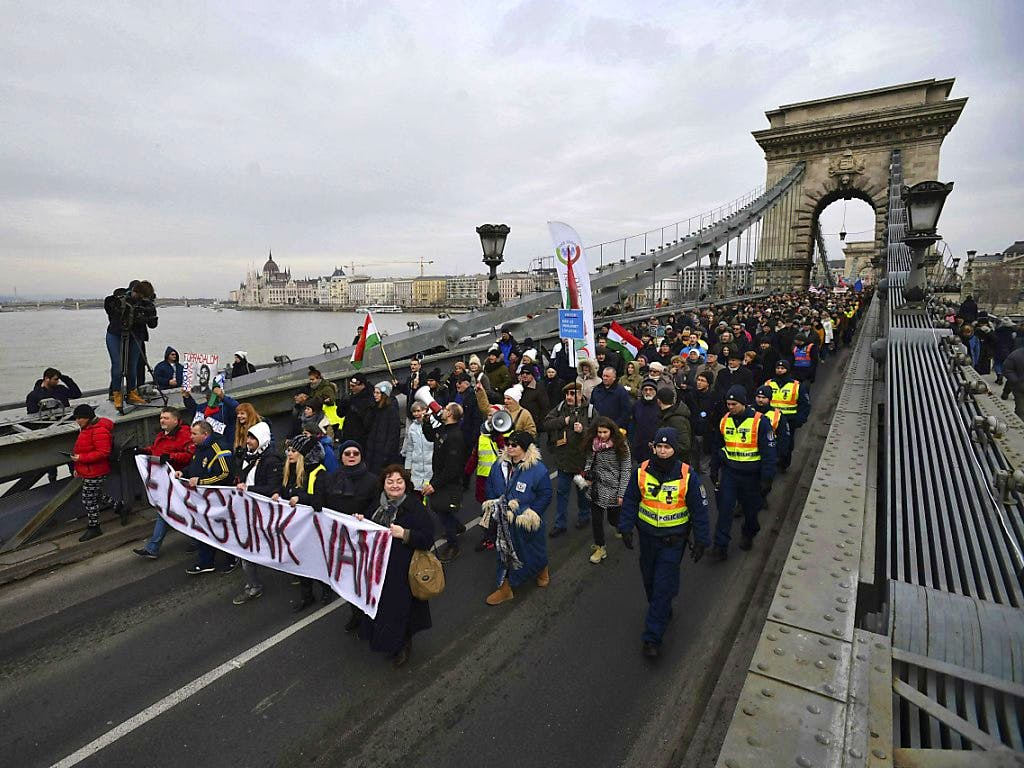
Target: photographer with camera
<point>131,313</point>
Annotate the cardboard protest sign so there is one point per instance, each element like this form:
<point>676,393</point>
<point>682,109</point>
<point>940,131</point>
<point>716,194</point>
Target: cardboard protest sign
<point>200,370</point>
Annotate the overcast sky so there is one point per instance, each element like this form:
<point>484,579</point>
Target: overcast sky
<point>180,141</point>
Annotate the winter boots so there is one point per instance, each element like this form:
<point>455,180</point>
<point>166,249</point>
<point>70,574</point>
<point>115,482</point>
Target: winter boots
<point>501,595</point>
<point>544,577</point>
<point>135,398</point>
<point>91,532</point>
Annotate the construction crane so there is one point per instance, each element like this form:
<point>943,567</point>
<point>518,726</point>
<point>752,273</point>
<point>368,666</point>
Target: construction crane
<point>352,265</point>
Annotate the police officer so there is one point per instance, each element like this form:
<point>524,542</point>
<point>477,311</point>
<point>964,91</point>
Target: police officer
<point>780,424</point>
<point>662,499</point>
<point>790,397</point>
<point>743,466</point>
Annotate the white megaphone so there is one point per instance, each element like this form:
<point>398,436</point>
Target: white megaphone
<point>500,422</point>
<point>423,396</point>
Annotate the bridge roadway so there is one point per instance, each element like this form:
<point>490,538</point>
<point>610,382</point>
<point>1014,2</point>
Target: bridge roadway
<point>553,678</point>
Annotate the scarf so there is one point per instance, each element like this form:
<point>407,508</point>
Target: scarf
<point>347,477</point>
<point>602,445</point>
<point>387,511</point>
<point>503,545</point>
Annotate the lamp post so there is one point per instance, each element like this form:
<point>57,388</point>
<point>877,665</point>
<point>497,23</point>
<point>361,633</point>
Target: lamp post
<point>924,203</point>
<point>714,256</point>
<point>492,239</point>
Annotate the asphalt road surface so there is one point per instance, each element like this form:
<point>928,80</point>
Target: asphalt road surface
<point>123,662</point>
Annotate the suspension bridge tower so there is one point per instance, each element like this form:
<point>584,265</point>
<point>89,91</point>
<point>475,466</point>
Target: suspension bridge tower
<point>846,143</point>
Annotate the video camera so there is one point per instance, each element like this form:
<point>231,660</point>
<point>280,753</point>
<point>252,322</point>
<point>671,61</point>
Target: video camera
<point>131,307</point>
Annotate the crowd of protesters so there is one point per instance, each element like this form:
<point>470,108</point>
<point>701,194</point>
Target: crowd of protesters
<point>692,420</point>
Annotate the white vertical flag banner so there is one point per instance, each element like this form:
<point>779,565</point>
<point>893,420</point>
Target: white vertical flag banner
<point>574,280</point>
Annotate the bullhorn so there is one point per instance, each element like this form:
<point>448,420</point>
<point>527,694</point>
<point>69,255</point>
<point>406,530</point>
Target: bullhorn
<point>500,422</point>
<point>423,396</point>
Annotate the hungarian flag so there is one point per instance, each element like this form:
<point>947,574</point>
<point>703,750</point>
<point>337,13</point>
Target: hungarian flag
<point>623,342</point>
<point>368,339</point>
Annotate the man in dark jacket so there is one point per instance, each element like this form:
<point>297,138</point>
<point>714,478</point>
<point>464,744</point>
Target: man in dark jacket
<point>212,464</point>
<point>676,416</point>
<point>54,385</point>
<point>169,373</point>
<point>734,374</point>
<point>444,490</point>
<point>464,396</point>
<point>566,426</point>
<point>535,397</point>
<point>410,384</point>
<point>355,408</point>
<point>644,422</point>
<point>611,400</point>
<point>1013,372</point>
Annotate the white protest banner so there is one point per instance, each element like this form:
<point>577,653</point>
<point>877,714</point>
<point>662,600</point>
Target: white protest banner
<point>200,369</point>
<point>348,554</point>
<point>574,279</point>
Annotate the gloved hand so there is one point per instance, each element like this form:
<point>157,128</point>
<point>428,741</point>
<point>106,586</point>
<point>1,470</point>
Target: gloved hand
<point>627,540</point>
<point>766,486</point>
<point>165,458</point>
<point>696,551</point>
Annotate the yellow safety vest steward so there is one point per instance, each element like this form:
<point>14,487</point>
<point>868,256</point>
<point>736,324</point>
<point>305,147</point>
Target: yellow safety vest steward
<point>741,439</point>
<point>785,397</point>
<point>663,505</point>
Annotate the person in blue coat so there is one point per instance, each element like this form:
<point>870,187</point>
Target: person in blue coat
<point>610,399</point>
<point>518,493</point>
<point>169,373</point>
<point>664,500</point>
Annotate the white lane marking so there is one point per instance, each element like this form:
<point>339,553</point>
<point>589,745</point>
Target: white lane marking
<point>190,689</point>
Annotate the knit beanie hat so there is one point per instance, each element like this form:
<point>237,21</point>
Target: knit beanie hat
<point>516,392</point>
<point>666,395</point>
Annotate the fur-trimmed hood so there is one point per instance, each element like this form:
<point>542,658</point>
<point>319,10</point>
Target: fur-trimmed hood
<point>531,459</point>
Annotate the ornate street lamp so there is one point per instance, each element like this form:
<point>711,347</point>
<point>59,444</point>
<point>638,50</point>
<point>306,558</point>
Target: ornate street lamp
<point>924,202</point>
<point>492,238</point>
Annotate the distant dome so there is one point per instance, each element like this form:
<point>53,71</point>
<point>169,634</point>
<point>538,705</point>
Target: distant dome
<point>338,272</point>
<point>270,267</point>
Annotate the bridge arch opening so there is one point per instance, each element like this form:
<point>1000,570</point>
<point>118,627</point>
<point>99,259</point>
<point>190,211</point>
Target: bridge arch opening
<point>846,221</point>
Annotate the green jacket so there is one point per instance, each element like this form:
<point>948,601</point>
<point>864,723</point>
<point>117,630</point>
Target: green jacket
<point>567,446</point>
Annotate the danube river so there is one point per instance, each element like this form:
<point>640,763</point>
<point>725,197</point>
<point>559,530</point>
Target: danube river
<point>73,340</point>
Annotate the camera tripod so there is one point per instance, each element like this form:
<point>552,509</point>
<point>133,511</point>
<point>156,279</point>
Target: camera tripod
<point>127,337</point>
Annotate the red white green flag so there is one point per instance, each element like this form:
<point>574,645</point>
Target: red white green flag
<point>368,339</point>
<point>623,342</point>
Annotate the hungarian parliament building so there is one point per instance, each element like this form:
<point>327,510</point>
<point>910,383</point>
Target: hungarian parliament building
<point>274,286</point>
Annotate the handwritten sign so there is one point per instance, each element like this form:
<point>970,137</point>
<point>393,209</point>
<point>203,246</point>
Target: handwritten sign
<point>348,554</point>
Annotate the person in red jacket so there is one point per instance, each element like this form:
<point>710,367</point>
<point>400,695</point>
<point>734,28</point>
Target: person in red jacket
<point>173,445</point>
<point>91,457</point>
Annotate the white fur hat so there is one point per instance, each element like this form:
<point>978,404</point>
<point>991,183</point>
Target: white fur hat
<point>516,392</point>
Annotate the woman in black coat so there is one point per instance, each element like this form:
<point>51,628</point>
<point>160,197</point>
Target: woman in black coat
<point>383,429</point>
<point>399,614</point>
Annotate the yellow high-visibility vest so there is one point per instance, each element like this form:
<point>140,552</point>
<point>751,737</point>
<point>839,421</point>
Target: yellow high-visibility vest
<point>311,480</point>
<point>741,439</point>
<point>331,412</point>
<point>663,505</point>
<point>785,397</point>
<point>486,454</point>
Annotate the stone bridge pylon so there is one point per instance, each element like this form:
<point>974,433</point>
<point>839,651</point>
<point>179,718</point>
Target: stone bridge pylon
<point>846,142</point>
